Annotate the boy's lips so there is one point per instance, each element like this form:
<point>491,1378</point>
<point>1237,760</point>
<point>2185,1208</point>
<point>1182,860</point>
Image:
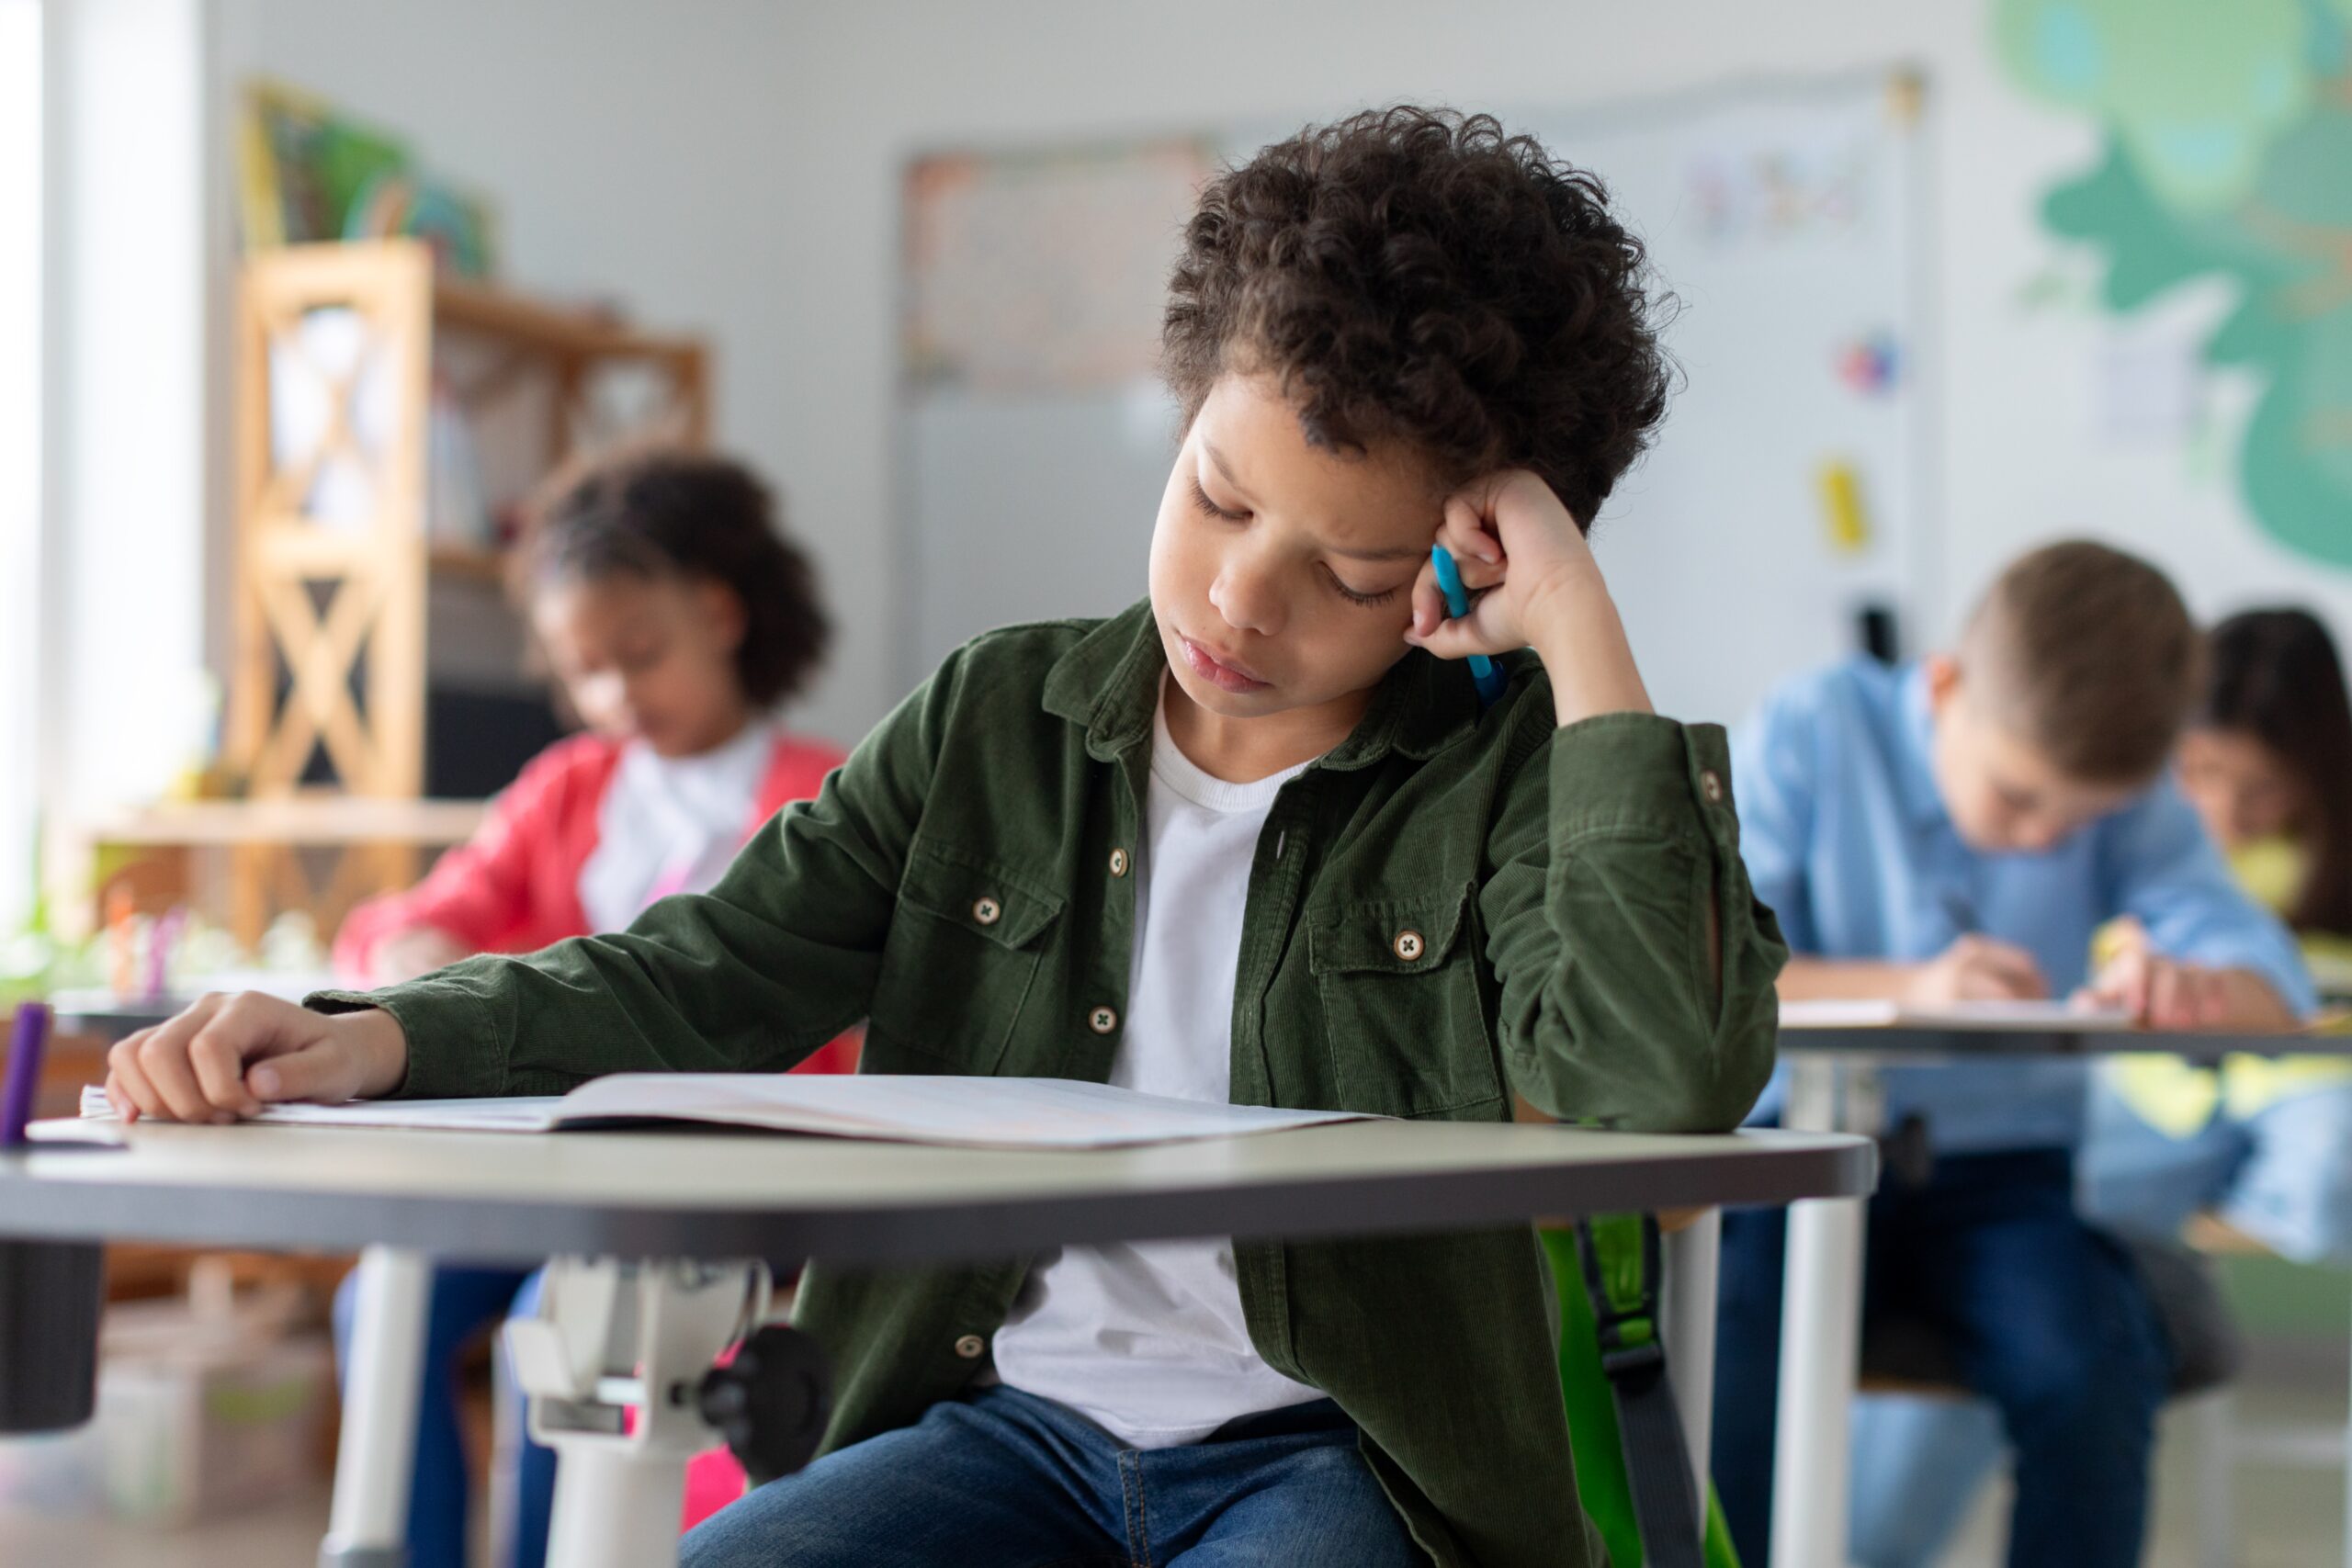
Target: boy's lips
<point>1219,671</point>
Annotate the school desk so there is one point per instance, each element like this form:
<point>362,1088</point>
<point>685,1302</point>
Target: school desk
<point>1832,1086</point>
<point>665,1198</point>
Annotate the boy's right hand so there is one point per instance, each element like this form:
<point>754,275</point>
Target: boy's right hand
<point>1977,969</point>
<point>227,1056</point>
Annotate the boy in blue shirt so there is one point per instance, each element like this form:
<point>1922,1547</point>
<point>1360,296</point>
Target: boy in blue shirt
<point>1957,831</point>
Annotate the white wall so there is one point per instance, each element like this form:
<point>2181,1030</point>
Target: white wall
<point>644,152</point>
<point>732,165</point>
<point>21,435</point>
<point>126,471</point>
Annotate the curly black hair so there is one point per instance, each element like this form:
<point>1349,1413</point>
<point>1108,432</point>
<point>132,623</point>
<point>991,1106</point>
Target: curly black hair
<point>1420,275</point>
<point>665,510</point>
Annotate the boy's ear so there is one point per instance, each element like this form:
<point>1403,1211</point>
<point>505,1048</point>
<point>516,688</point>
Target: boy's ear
<point>1943,681</point>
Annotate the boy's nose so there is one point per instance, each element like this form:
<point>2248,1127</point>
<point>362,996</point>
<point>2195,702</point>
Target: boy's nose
<point>1247,601</point>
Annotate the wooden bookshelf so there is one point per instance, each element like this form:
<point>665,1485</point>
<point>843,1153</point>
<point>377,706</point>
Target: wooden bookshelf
<point>352,361</point>
<point>318,851</point>
<point>331,613</point>
<point>321,820</point>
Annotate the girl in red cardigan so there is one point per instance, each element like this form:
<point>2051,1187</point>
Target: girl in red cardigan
<point>677,620</point>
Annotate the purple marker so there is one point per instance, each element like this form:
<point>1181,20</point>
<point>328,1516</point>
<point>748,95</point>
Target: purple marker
<point>161,938</point>
<point>26,1047</point>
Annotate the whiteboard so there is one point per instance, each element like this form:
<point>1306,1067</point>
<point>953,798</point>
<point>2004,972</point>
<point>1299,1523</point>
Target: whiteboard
<point>1784,218</point>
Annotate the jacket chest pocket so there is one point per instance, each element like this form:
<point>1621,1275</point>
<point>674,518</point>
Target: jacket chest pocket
<point>963,955</point>
<point>1402,1012</point>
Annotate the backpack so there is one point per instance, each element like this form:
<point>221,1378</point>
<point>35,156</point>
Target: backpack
<point>1632,1465</point>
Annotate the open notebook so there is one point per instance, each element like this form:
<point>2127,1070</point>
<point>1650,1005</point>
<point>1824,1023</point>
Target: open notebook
<point>972,1113</point>
<point>2014,1017</point>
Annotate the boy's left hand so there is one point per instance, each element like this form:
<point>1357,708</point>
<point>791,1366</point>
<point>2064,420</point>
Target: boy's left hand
<point>2161,992</point>
<point>1521,552</point>
<point>1521,555</point>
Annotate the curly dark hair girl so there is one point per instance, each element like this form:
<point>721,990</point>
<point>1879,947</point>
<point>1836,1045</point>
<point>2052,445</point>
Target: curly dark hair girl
<point>664,511</point>
<point>1418,275</point>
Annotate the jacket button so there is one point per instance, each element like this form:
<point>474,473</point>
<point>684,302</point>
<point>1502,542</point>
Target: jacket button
<point>971,1346</point>
<point>988,911</point>
<point>1711,785</point>
<point>1409,946</point>
<point>1118,862</point>
<point>1101,1020</point>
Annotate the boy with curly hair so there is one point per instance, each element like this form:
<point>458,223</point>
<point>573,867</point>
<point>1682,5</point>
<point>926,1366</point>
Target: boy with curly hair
<point>1254,840</point>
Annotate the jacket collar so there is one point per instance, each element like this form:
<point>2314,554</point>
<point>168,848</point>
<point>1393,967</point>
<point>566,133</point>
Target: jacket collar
<point>1109,682</point>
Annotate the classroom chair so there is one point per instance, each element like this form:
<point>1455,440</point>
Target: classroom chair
<point>1904,1354</point>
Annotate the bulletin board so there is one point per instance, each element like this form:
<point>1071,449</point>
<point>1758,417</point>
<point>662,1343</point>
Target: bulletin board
<point>1788,490</point>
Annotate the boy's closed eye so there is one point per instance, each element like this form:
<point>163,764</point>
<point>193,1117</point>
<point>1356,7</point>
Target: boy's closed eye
<point>1364,595</point>
<point>1201,499</point>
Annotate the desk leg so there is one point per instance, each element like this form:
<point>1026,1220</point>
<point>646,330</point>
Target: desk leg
<point>1692,1254</point>
<point>1821,1311</point>
<point>368,1527</point>
<point>1820,1351</point>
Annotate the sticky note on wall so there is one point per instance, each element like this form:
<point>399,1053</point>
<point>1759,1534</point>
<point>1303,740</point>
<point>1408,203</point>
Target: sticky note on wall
<point>1845,519</point>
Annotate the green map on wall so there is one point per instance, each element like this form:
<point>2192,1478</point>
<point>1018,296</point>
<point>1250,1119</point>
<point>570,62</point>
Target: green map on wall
<point>2228,153</point>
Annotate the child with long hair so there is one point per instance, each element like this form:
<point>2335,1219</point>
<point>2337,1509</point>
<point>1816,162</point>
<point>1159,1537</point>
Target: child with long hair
<point>2265,1145</point>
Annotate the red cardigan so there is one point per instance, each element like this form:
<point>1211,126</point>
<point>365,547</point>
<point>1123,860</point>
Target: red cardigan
<point>515,885</point>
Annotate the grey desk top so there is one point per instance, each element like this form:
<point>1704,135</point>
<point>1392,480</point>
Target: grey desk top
<point>110,1015</point>
<point>1903,1046</point>
<point>111,1021</point>
<point>516,1196</point>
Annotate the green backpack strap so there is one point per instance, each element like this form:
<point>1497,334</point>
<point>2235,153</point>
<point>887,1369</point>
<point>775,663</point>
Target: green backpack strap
<point>1620,1258</point>
<point>1602,1485</point>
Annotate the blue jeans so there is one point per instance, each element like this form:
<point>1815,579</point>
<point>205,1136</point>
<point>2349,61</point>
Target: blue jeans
<point>463,1303</point>
<point>2048,1318</point>
<point>1002,1478</point>
<point>1919,1464</point>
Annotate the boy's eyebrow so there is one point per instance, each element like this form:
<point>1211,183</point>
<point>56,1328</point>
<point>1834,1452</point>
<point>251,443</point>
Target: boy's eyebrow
<point>1218,459</point>
<point>1393,552</point>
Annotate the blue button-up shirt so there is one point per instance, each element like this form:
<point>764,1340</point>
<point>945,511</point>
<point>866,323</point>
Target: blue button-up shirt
<point>1846,837</point>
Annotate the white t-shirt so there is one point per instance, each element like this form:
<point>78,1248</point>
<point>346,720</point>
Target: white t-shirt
<point>671,823</point>
<point>1147,1340</point>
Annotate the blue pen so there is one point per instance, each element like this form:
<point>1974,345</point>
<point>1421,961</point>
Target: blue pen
<point>1491,680</point>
